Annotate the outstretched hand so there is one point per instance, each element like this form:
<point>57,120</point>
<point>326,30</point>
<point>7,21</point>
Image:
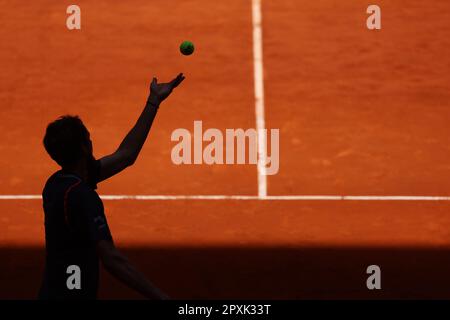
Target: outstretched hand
<point>160,91</point>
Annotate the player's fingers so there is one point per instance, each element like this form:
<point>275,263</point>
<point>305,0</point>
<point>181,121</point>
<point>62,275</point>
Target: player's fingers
<point>175,82</point>
<point>154,81</point>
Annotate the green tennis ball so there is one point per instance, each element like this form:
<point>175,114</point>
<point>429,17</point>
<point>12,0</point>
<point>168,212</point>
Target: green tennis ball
<point>187,48</point>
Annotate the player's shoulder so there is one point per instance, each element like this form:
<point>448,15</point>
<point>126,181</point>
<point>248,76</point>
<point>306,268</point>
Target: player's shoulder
<point>69,184</point>
<point>59,181</point>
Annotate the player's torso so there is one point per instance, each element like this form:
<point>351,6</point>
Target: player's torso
<point>67,237</point>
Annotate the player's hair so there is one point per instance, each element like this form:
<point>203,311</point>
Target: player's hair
<point>64,140</point>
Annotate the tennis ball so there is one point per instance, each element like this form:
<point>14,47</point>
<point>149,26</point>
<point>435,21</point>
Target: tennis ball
<point>187,48</point>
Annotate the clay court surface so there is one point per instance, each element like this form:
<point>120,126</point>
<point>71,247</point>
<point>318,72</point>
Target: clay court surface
<point>360,113</point>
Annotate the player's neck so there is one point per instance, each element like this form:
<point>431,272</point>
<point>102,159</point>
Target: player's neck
<point>79,169</point>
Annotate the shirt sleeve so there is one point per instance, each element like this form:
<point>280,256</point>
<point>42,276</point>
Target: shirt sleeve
<point>96,220</point>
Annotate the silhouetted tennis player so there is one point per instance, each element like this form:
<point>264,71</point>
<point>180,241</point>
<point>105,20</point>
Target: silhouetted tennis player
<point>76,229</point>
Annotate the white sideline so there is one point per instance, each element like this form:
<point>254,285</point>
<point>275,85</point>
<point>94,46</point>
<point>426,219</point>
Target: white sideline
<point>259,95</point>
<point>243,197</point>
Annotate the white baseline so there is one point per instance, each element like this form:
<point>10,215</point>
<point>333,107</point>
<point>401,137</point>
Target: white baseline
<point>247,197</point>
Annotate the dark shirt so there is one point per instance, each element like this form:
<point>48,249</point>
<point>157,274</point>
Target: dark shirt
<point>74,223</point>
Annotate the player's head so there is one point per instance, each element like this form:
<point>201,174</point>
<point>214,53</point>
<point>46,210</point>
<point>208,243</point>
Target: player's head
<point>67,141</point>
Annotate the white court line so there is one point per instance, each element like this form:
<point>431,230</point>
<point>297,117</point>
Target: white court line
<point>259,95</point>
<point>242,197</point>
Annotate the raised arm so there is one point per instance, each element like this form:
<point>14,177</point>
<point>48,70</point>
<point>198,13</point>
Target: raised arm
<point>130,147</point>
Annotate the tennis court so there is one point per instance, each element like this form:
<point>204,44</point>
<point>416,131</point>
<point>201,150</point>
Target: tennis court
<point>364,176</point>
